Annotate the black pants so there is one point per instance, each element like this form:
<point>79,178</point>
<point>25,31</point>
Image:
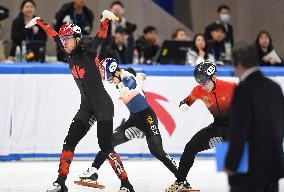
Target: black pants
<point>79,127</point>
<point>147,122</point>
<point>84,120</point>
<point>271,186</point>
<point>204,139</point>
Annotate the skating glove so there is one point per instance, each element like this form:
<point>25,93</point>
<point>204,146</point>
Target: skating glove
<point>108,15</point>
<point>124,91</point>
<point>32,22</point>
<point>141,76</point>
<point>183,106</point>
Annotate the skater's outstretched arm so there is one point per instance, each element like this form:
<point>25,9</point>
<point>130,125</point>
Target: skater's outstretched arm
<point>189,100</point>
<point>102,33</point>
<point>47,28</point>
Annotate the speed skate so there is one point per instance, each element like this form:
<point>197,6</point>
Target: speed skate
<point>89,183</point>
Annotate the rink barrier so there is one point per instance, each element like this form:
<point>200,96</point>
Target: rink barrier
<point>151,70</point>
<point>35,156</point>
<point>19,69</point>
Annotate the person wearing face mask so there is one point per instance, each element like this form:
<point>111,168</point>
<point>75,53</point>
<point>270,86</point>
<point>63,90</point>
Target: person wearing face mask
<point>19,33</point>
<point>224,16</point>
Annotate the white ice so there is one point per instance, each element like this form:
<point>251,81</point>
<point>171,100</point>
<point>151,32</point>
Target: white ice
<point>145,175</point>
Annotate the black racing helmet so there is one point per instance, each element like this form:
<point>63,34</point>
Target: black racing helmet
<point>204,72</point>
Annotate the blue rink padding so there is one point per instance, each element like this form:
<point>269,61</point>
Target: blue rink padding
<point>18,157</point>
<point>221,153</point>
<point>151,70</point>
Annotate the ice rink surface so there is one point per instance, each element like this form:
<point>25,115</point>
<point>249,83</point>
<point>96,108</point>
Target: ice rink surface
<point>145,175</point>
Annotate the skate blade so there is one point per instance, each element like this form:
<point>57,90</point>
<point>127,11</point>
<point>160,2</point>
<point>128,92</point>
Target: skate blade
<point>89,184</point>
<point>190,190</point>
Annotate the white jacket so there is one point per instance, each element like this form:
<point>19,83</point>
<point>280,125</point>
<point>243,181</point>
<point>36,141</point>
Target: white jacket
<point>193,59</point>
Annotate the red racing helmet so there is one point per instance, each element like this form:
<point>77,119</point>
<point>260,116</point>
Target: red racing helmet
<point>70,29</point>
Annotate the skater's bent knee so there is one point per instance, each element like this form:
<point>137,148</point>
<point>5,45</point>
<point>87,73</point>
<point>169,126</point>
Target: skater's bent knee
<point>191,148</point>
<point>157,152</point>
<point>76,132</point>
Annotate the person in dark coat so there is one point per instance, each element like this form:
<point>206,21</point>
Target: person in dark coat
<point>117,7</point>
<point>116,47</point>
<point>257,113</point>
<point>264,48</point>
<point>224,16</point>
<point>19,33</point>
<point>74,12</point>
<point>148,45</point>
<point>4,13</point>
<point>216,45</point>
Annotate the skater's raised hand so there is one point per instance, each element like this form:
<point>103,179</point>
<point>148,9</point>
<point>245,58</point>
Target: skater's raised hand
<point>108,15</point>
<point>32,22</point>
<point>183,106</point>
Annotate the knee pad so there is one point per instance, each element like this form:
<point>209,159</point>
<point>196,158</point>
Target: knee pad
<point>133,132</point>
<point>92,120</point>
<point>214,141</point>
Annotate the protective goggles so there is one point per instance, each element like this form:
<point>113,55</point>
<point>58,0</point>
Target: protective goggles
<point>65,37</point>
<point>204,83</point>
<point>111,78</point>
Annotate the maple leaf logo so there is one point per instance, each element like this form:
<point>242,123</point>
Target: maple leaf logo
<point>77,72</point>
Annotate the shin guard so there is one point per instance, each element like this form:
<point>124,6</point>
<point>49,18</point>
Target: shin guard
<point>117,165</point>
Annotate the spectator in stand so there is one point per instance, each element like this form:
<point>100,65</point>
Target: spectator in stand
<point>224,15</point>
<point>180,35</point>
<point>118,9</point>
<point>148,45</point>
<point>4,13</point>
<point>74,12</point>
<point>199,52</point>
<point>19,33</point>
<point>216,44</point>
<point>267,55</point>
<point>116,47</point>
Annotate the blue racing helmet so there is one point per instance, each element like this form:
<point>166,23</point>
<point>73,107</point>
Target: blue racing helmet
<point>108,66</point>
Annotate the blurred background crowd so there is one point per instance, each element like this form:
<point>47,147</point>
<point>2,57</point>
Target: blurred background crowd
<point>166,35</point>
